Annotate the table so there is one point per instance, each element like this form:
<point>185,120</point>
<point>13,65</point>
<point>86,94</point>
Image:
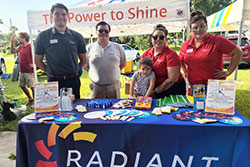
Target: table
<point>149,142</point>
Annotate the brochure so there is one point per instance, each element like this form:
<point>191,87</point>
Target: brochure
<point>220,96</point>
<point>46,97</point>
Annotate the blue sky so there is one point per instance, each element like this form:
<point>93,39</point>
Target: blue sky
<point>16,10</point>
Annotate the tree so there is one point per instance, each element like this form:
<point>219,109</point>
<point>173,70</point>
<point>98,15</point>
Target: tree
<point>13,28</point>
<point>209,6</point>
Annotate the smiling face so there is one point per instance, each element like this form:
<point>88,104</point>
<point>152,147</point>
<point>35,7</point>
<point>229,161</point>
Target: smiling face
<point>60,17</point>
<point>199,29</point>
<point>145,70</point>
<point>103,33</point>
<point>158,39</point>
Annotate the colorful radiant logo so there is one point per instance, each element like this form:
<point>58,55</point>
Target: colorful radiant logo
<point>51,141</point>
<point>180,13</point>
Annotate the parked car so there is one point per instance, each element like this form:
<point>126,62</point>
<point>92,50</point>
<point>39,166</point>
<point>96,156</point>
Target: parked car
<point>131,53</point>
<point>245,46</point>
<point>2,64</point>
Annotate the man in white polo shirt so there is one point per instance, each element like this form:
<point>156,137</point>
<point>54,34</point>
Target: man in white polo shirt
<point>105,60</point>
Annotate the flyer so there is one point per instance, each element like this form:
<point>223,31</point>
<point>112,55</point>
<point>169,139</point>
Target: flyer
<point>46,97</point>
<point>220,96</point>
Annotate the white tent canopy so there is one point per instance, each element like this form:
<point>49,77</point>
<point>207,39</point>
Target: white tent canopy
<point>228,19</point>
<point>130,17</point>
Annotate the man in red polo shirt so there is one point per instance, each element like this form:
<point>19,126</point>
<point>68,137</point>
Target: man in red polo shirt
<point>26,76</point>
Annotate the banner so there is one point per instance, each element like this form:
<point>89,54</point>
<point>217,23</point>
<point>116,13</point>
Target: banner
<point>132,12</point>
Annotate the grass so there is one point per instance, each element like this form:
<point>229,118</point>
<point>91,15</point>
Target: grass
<point>13,91</point>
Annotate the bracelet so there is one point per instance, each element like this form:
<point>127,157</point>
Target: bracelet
<point>227,73</point>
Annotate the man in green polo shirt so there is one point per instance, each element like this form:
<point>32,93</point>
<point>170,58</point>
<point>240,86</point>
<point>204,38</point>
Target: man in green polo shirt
<point>62,47</point>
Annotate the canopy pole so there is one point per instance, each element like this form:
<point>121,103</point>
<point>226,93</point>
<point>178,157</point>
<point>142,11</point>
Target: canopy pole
<point>238,44</point>
<point>188,21</point>
<point>33,56</point>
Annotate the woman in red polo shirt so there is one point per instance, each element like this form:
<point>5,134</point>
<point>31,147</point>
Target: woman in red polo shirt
<point>166,65</point>
<point>201,56</point>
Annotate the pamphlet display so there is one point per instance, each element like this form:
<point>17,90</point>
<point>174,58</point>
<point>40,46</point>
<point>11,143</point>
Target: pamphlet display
<point>65,99</point>
<point>199,97</point>
<point>220,96</point>
<point>46,97</point>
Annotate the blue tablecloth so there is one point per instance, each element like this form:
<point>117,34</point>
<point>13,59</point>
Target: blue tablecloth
<point>152,141</point>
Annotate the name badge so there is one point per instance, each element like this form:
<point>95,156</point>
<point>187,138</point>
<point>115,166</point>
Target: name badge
<point>52,41</point>
<point>190,50</point>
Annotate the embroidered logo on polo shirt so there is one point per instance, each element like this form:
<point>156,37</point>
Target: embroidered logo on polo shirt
<point>205,50</point>
<point>72,42</point>
<point>190,50</point>
<point>52,41</point>
<point>159,60</point>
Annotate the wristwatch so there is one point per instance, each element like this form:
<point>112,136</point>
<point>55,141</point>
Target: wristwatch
<point>227,73</point>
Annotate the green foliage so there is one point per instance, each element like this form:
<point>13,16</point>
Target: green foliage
<point>209,6</point>
<point>12,156</point>
<point>140,42</point>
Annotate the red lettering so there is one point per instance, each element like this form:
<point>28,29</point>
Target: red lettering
<point>103,15</point>
<point>112,15</point>
<point>163,12</point>
<point>138,11</point>
<point>119,15</point>
<point>51,19</point>
<point>78,18</point>
<point>97,17</point>
<point>130,12</point>
<point>45,17</point>
<point>151,13</point>
<point>70,16</point>
<point>87,17</point>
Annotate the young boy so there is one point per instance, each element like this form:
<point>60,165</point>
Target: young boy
<point>143,81</point>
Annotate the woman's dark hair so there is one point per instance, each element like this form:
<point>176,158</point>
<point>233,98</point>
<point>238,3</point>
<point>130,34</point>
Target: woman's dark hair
<point>196,16</point>
<point>60,6</point>
<point>146,61</point>
<point>161,28</point>
<point>24,35</point>
<point>102,23</point>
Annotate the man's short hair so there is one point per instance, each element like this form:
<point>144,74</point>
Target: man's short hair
<point>58,5</point>
<point>146,61</point>
<point>102,23</point>
<point>24,35</point>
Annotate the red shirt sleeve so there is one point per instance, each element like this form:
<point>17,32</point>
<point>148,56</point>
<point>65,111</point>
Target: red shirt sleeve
<point>173,59</point>
<point>224,45</point>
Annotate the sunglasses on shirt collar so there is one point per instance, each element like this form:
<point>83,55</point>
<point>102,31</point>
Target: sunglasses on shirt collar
<point>161,37</point>
<point>101,31</point>
<point>202,28</point>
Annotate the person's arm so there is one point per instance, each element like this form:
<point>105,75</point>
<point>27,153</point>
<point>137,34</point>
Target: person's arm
<point>82,57</point>
<point>39,62</point>
<point>12,47</point>
<point>151,87</point>
<point>122,66</point>
<point>132,86</point>
<point>236,54</point>
<point>173,76</point>
<point>184,69</point>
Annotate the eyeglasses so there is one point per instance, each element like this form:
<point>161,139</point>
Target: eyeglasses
<point>101,31</point>
<point>202,28</point>
<point>161,37</point>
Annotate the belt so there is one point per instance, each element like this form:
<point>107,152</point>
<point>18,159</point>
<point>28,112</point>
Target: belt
<point>67,76</point>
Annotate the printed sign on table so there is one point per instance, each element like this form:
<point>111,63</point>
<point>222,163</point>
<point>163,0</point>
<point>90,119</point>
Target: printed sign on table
<point>220,96</point>
<point>46,97</point>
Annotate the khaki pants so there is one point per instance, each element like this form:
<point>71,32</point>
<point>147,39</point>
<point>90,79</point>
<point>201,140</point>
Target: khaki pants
<point>111,91</point>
